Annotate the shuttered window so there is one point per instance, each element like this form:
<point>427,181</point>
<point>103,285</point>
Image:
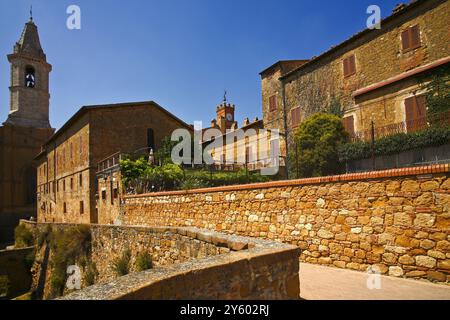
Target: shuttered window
<point>273,103</point>
<point>248,155</point>
<point>415,111</point>
<point>349,66</point>
<point>295,117</point>
<point>349,125</point>
<point>411,38</point>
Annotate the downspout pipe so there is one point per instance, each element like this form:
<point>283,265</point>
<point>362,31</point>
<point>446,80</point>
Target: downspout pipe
<point>286,135</point>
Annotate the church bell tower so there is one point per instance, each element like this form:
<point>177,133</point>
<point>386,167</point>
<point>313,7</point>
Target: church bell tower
<point>29,90</point>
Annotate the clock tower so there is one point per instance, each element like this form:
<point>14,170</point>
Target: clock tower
<point>225,116</point>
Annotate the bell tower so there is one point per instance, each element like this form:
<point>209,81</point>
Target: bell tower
<point>24,132</point>
<point>29,89</point>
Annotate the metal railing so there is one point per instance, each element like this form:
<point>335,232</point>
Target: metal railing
<point>110,162</point>
<point>409,126</point>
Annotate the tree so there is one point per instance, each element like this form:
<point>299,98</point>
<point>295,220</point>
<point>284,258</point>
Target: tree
<point>335,107</point>
<point>316,142</point>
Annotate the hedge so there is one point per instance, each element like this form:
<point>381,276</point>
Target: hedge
<point>431,137</point>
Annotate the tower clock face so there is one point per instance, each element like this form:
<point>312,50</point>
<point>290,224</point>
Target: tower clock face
<point>229,117</point>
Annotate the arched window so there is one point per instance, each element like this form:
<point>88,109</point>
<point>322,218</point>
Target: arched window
<point>30,183</point>
<point>30,78</point>
<point>151,139</point>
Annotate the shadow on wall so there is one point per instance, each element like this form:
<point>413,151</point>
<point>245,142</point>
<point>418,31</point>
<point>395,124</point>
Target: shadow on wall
<point>15,275</point>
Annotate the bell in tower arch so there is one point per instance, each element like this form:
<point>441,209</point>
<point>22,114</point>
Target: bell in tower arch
<point>30,78</point>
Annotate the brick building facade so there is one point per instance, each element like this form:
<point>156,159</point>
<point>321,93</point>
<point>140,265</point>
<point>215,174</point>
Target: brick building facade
<point>24,131</point>
<point>373,75</point>
<point>67,169</point>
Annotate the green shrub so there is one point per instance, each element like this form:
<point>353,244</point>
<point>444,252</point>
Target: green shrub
<point>68,247</point>
<point>121,265</point>
<point>436,83</point>
<point>23,237</point>
<point>431,137</point>
<point>143,261</point>
<point>314,152</point>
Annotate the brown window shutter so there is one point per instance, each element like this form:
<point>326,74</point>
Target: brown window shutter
<point>349,66</point>
<point>349,125</point>
<point>295,115</point>
<point>421,105</point>
<point>414,36</point>
<point>410,113</point>
<point>273,103</point>
<point>405,40</point>
<point>352,65</point>
<point>345,62</point>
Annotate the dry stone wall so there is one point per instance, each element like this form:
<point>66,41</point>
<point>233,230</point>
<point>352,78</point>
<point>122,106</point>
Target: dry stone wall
<point>397,220</point>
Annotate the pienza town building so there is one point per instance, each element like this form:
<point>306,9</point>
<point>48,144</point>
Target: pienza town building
<point>395,220</point>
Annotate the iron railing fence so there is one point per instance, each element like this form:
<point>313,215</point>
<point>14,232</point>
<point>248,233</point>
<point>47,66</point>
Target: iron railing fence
<point>419,124</point>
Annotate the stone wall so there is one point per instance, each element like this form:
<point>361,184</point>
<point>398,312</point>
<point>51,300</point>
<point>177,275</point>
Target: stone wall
<point>397,220</point>
<point>217,263</point>
<point>251,269</point>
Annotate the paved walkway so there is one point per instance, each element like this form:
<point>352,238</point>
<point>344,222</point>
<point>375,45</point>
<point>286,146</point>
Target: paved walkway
<point>328,283</point>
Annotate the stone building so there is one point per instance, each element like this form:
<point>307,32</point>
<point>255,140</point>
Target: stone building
<point>24,131</point>
<point>248,146</point>
<point>372,76</point>
<point>67,166</point>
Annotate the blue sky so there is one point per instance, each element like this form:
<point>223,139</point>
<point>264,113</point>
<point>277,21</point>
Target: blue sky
<point>181,54</point>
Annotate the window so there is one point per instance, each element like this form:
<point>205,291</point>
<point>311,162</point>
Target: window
<point>81,207</point>
<point>81,148</point>
<point>411,38</point>
<point>295,117</point>
<point>248,155</point>
<point>273,103</point>
<point>64,207</point>
<point>30,80</point>
<point>116,193</point>
<point>71,183</point>
<point>150,139</point>
<point>415,112</point>
<point>64,184</point>
<point>349,66</point>
<point>349,125</point>
<point>274,149</point>
<point>80,178</point>
<point>103,194</point>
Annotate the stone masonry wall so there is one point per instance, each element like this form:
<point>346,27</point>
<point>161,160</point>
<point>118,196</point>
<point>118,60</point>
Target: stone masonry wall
<point>397,220</point>
<point>252,269</point>
<point>188,263</point>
